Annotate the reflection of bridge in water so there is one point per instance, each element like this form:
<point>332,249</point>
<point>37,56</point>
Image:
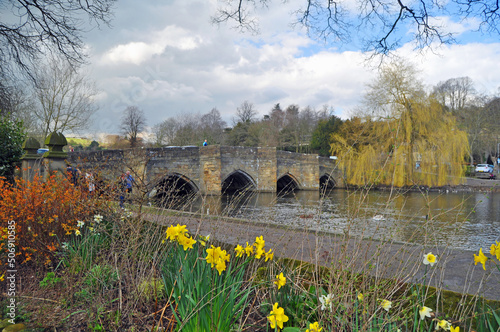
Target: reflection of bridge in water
<point>215,170</point>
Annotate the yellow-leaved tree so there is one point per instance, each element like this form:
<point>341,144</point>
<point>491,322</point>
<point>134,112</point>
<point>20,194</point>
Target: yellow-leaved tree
<point>404,137</point>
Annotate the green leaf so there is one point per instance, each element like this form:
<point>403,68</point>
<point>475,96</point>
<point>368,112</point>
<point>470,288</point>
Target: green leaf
<point>291,329</point>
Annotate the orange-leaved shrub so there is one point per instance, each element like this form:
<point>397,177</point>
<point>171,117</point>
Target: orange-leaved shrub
<point>42,214</point>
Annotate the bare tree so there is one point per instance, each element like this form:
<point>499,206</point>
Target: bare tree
<point>55,26</point>
<point>166,131</point>
<point>245,113</point>
<point>455,93</point>
<point>64,96</point>
<point>133,122</point>
<point>381,20</point>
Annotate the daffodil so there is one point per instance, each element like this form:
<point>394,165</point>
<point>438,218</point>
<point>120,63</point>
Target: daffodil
<point>174,231</point>
<point>314,327</point>
<point>65,245</point>
<point>269,255</point>
<point>386,305</point>
<point>326,302</point>
<point>259,252</point>
<point>424,312</point>
<point>429,259</point>
<point>204,239</point>
<point>481,258</point>
<point>443,324</point>
<point>79,223</point>
<point>277,317</point>
<point>185,241</point>
<point>97,218</point>
<point>454,329</point>
<point>2,277</point>
<point>259,242</point>
<point>249,249</point>
<point>360,297</point>
<point>77,232</point>
<point>495,250</point>
<point>217,258</point>
<point>280,280</point>
<point>239,251</point>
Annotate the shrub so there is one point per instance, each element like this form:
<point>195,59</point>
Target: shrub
<point>43,215</point>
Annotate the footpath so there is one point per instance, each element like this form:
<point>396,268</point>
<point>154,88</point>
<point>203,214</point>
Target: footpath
<point>455,269</point>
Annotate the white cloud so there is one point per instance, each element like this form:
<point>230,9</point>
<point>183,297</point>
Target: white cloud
<point>138,52</point>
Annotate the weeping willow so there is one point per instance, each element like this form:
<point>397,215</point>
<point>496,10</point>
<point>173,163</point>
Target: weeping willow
<point>387,151</point>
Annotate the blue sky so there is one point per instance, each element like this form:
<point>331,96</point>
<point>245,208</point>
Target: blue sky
<point>168,59</point>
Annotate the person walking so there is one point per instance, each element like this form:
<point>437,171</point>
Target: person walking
<point>205,143</point>
<point>129,181</point>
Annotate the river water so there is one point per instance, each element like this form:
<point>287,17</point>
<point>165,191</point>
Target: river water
<point>458,220</point>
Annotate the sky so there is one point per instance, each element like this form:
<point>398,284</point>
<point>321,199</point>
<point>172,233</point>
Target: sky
<point>167,58</point>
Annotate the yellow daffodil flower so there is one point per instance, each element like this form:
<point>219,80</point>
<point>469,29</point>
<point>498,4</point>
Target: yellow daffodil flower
<point>174,231</point>
<point>248,250</point>
<point>429,259</point>
<point>454,329</point>
<point>280,280</point>
<point>2,277</point>
<point>481,258</point>
<point>277,317</point>
<point>443,324</point>
<point>424,312</point>
<point>239,251</point>
<point>259,242</point>
<point>314,327</point>
<point>185,241</point>
<point>495,250</point>
<point>259,252</point>
<point>217,258</point>
<point>204,239</point>
<point>77,232</point>
<point>269,255</point>
<point>360,297</point>
<point>386,305</point>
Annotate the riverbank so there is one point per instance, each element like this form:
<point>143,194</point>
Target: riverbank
<point>471,185</point>
<point>455,270</point>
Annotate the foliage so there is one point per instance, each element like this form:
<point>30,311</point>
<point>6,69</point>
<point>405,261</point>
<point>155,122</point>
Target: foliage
<point>12,137</point>
<point>320,140</point>
<point>44,212</point>
<point>49,280</point>
<point>408,138</point>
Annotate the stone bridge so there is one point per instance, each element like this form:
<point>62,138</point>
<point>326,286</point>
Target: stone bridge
<point>215,170</point>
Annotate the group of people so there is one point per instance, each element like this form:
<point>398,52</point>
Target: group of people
<point>125,183</point>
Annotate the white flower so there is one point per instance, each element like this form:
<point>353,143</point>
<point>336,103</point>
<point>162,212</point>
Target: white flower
<point>326,301</point>
<point>430,259</point>
<point>425,312</point>
<point>97,218</point>
<point>80,223</point>
<point>65,245</point>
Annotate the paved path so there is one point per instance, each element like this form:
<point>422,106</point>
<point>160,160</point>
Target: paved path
<point>455,269</point>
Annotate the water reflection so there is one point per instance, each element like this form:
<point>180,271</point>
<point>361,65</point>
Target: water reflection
<point>459,220</point>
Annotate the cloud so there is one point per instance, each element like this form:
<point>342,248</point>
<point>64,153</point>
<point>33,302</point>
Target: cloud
<point>137,52</point>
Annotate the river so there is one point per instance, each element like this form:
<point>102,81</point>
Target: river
<point>458,220</point>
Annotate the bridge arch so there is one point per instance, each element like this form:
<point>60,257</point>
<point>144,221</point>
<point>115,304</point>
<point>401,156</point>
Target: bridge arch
<point>172,186</point>
<point>286,183</point>
<point>238,180</point>
<point>327,182</point>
